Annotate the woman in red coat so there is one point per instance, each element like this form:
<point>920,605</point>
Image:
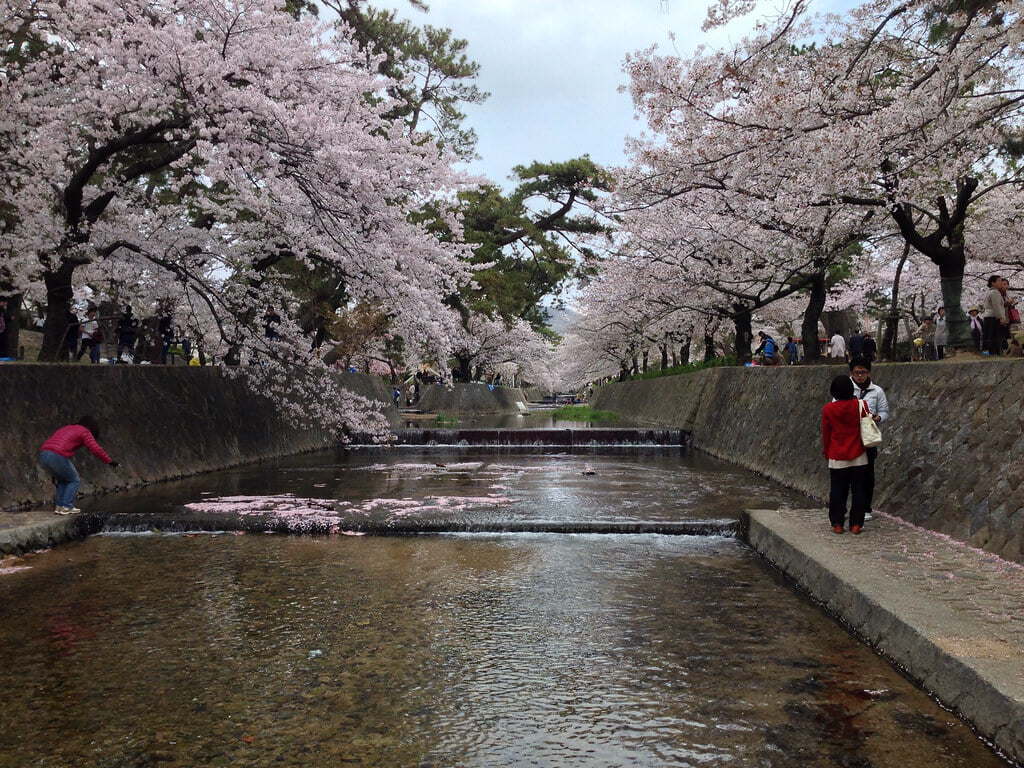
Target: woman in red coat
<point>55,456</point>
<point>847,457</point>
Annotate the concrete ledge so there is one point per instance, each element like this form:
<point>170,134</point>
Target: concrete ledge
<point>950,616</point>
<point>31,531</point>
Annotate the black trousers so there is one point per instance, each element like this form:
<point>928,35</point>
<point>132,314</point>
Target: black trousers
<point>845,483</point>
<point>869,478</point>
<point>991,335</point>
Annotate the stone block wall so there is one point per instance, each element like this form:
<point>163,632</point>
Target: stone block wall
<point>953,456</point>
<point>160,422</point>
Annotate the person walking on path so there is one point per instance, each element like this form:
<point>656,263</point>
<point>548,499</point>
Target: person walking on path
<point>856,346</point>
<point>847,458</point>
<point>791,351</point>
<point>838,346</point>
<point>55,456</point>
<point>993,318</point>
<point>91,337</point>
<point>874,396</point>
<point>870,348</point>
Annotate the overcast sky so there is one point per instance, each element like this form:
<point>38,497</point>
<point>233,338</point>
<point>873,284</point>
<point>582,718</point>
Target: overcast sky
<point>553,68</point>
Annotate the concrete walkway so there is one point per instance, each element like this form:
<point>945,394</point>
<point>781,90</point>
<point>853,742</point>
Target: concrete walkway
<point>951,616</point>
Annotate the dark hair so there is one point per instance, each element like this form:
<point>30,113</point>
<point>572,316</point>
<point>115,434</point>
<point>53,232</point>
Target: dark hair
<point>860,361</point>
<point>91,424</point>
<point>842,388</point>
<point>992,280</point>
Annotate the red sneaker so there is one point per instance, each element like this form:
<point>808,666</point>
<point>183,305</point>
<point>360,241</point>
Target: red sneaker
<point>839,529</point>
<point>854,529</point>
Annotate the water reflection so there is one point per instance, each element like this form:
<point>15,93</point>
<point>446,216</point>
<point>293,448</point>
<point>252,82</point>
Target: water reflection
<point>442,651</point>
<point>486,484</point>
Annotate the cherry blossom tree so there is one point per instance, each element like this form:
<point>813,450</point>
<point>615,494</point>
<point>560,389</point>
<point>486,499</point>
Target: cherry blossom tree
<point>201,145</point>
<point>907,110</point>
<point>488,344</point>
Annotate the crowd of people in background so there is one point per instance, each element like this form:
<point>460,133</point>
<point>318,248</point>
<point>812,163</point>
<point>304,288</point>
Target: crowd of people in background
<point>86,337</point>
<point>994,326</point>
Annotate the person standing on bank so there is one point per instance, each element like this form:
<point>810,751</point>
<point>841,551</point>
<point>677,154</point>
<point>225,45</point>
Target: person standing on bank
<point>847,457</point>
<point>993,317</point>
<point>872,394</point>
<point>975,320</point>
<point>55,456</point>
<point>127,327</point>
<point>941,334</point>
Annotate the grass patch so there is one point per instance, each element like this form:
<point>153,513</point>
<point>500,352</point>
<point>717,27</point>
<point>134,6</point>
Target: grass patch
<point>445,421</point>
<point>583,413</point>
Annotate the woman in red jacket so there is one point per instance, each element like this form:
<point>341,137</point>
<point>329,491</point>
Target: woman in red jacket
<point>847,457</point>
<point>55,456</point>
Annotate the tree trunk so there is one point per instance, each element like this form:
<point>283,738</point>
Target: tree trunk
<point>664,356</point>
<point>892,322</point>
<point>684,351</point>
<point>744,333</point>
<point>951,279</point>
<point>709,346</point>
<point>812,314</point>
<point>465,368</point>
<point>59,294</point>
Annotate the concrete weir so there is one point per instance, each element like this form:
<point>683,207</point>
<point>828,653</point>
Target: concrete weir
<point>949,615</point>
<point>547,438</point>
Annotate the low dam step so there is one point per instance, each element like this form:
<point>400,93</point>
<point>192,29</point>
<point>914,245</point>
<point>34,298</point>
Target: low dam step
<point>560,438</point>
<point>187,522</point>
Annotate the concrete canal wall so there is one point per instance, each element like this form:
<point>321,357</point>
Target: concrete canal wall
<point>160,422</point>
<point>470,399</point>
<point>952,460</point>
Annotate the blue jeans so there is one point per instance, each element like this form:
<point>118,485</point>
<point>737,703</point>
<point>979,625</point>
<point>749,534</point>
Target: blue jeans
<point>64,475</point>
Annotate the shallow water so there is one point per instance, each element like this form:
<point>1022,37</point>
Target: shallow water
<point>483,484</point>
<point>519,650</point>
<point>452,650</point>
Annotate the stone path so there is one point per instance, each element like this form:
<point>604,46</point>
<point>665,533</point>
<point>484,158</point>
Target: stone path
<point>950,615</point>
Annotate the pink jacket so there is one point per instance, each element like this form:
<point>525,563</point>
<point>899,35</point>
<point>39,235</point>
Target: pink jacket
<point>66,440</point>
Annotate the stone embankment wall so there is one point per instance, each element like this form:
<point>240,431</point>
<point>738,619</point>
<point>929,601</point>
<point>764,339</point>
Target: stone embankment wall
<point>160,422</point>
<point>469,399</point>
<point>953,453</point>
